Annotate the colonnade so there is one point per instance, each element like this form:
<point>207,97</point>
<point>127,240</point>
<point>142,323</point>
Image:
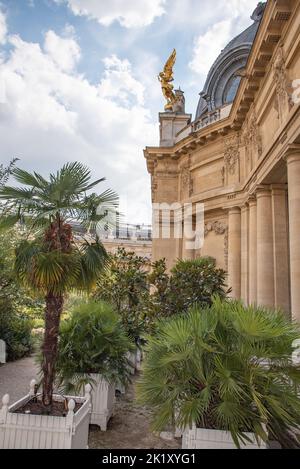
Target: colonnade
<point>264,244</point>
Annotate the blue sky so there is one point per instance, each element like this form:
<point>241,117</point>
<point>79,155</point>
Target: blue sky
<point>78,80</point>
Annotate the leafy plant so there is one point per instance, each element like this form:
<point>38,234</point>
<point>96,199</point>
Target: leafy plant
<point>190,282</point>
<point>50,261</point>
<point>15,330</point>
<point>227,367</point>
<point>158,300</point>
<point>92,341</point>
<point>124,284</point>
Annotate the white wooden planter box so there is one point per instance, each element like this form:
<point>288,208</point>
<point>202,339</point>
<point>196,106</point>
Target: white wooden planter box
<point>2,351</point>
<point>200,438</point>
<point>103,401</point>
<point>25,431</point>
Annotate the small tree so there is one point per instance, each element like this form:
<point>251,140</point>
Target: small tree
<point>124,284</point>
<point>50,261</point>
<point>190,282</point>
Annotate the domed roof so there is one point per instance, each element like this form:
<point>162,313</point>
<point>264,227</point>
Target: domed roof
<point>223,81</point>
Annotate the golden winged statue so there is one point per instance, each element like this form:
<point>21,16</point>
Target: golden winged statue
<point>166,77</point>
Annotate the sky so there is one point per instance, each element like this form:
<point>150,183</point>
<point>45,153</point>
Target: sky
<point>78,81</point>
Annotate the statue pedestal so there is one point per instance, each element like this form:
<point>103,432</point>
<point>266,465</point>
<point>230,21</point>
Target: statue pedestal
<point>170,124</point>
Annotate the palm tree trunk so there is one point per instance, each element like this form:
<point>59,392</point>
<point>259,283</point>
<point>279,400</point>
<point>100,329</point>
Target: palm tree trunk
<point>53,311</point>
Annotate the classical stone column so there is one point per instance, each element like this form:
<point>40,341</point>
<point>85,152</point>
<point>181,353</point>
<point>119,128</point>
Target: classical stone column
<point>245,254</point>
<point>265,257</point>
<point>293,166</point>
<point>252,251</point>
<point>234,251</point>
<point>281,247</point>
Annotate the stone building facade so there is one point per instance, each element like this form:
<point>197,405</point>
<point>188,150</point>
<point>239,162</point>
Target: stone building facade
<point>240,157</point>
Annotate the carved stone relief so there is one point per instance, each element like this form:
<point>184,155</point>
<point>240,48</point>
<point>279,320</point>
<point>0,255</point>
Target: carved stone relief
<point>219,228</point>
<point>223,173</point>
<point>186,179</point>
<point>283,103</point>
<point>231,153</point>
<point>252,140</point>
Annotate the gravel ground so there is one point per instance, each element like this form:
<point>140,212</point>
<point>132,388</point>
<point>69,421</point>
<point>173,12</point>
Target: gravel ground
<point>129,428</point>
<point>15,378</point>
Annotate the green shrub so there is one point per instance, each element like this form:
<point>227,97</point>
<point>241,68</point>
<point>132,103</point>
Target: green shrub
<point>15,330</point>
<point>191,282</point>
<point>92,340</point>
<point>124,285</point>
<point>207,366</point>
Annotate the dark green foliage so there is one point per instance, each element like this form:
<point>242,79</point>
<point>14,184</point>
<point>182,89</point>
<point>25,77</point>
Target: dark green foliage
<point>15,330</point>
<point>124,284</point>
<point>190,283</point>
<point>92,340</point>
<point>207,366</point>
<point>16,307</point>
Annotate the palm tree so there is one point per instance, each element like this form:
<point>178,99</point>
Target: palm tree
<point>49,260</point>
<point>228,367</point>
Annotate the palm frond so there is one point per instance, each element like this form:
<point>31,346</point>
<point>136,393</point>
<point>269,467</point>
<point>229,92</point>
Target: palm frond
<point>34,180</point>
<point>205,368</point>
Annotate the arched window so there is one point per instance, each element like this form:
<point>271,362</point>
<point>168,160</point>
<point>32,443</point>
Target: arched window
<point>231,89</point>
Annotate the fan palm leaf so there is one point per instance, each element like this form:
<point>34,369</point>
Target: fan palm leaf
<point>226,367</point>
<point>50,261</point>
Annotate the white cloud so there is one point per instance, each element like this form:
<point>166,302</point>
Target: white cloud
<point>129,13</point>
<point>226,20</point>
<point>3,27</point>
<point>209,45</point>
<point>65,52</point>
<point>52,115</point>
<point>200,14</point>
<point>119,83</point>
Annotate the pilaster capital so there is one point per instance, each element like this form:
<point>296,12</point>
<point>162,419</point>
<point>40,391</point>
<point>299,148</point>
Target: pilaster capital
<point>252,202</point>
<point>279,189</point>
<point>236,210</point>
<point>244,208</point>
<point>263,191</point>
<point>292,153</point>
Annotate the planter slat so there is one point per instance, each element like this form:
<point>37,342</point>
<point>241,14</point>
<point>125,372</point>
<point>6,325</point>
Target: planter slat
<point>199,438</point>
<point>102,401</point>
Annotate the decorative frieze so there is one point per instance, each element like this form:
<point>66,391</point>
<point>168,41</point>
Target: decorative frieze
<point>219,228</point>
